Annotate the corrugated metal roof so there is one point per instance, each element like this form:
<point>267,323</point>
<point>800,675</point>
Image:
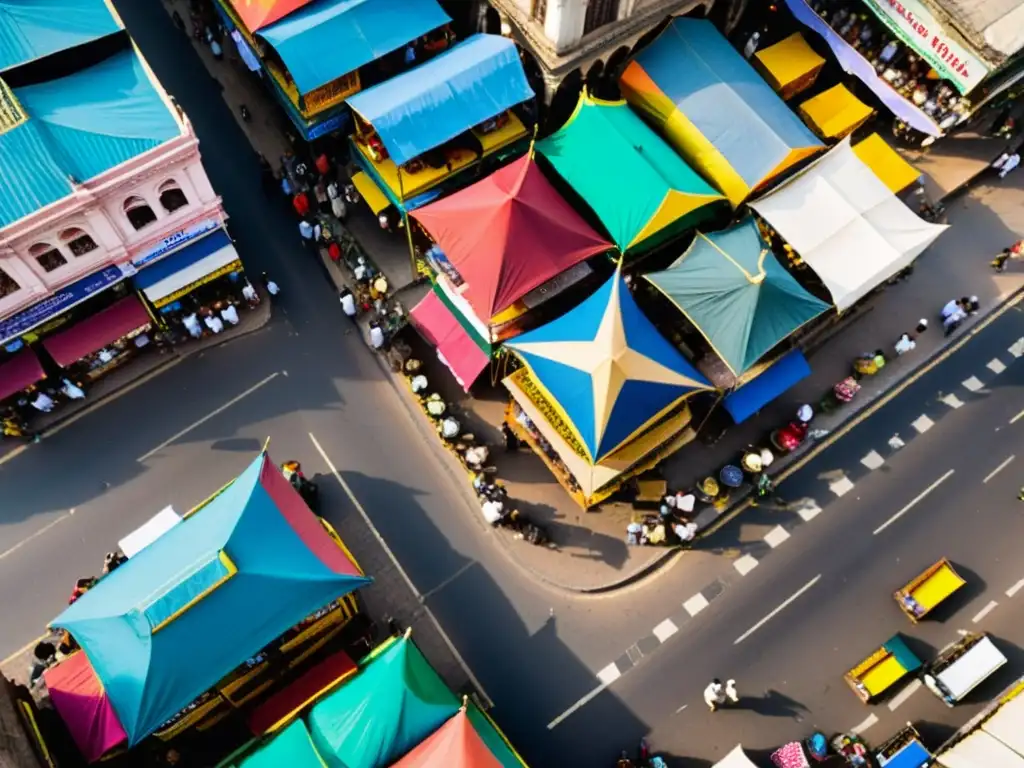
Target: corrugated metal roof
<point>994,27</point>
<point>32,29</point>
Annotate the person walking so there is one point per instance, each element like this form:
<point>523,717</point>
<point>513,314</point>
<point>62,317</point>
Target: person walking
<point>306,233</point>
<point>717,695</point>
<point>1010,164</point>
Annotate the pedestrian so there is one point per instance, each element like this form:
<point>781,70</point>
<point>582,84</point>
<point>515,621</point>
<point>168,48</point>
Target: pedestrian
<point>43,402</point>
<point>338,207</point>
<point>999,262</point>
<point>250,295</point>
<point>306,232</point>
<point>716,694</point>
<point>348,303</point>
<point>922,326</point>
<point>973,305</point>
<point>1009,165</point>
<point>300,202</point>
<point>334,251</point>
<point>905,343</point>
<point>323,164</point>
<point>71,390</point>
<point>323,204</point>
<point>376,336</point>
<point>191,323</point>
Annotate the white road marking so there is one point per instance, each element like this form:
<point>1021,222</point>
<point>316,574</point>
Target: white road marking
<point>922,424</point>
<point>11,550</point>
<point>682,708</point>
<point>861,727</point>
<point>209,416</point>
<point>901,697</point>
<point>974,384</point>
<point>578,705</point>
<point>808,510</point>
<point>696,604</point>
<point>842,486</point>
<point>952,401</point>
<point>984,611</point>
<point>665,630</point>
<point>782,606</point>
<point>1015,588</point>
<point>914,501</point>
<point>1017,418</point>
<point>1017,348</point>
<point>398,567</point>
<point>609,674</point>
<point>996,365</point>
<point>873,460</point>
<point>998,469</point>
<point>745,564</point>
<point>776,536</point>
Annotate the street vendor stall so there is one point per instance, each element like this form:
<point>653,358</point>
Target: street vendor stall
<point>903,750</point>
<point>790,66</point>
<point>926,590</point>
<point>735,759</point>
<point>714,108</point>
<point>888,165</point>
<point>416,131</point>
<point>835,113</point>
<point>883,669</point>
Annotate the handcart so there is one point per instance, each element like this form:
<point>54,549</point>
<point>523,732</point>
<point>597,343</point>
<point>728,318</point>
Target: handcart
<point>880,671</point>
<point>919,597</point>
<point>904,750</point>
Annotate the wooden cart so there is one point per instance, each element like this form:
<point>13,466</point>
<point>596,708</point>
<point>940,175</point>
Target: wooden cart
<point>882,669</point>
<point>918,598</point>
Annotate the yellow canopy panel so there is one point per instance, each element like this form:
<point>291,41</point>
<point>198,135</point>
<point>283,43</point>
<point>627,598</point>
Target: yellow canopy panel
<point>371,193</point>
<point>789,66</point>
<point>835,113</point>
<point>895,172</point>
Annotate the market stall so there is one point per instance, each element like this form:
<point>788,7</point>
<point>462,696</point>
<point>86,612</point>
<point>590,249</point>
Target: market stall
<point>903,750</point>
<point>926,590</point>
<point>883,669</point>
<point>790,66</point>
<point>103,342</point>
<point>292,747</point>
<point>888,165</point>
<point>416,131</point>
<point>19,371</point>
<point>735,759</point>
<point>461,351</point>
<point>776,378</point>
<point>465,740</point>
<point>835,113</point>
<point>846,224</point>
<point>655,195</point>
<point>715,109</point>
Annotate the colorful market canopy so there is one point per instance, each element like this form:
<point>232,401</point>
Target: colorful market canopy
<point>895,172</point>
<point>789,66</point>
<point>33,29</point>
<point>423,108</point>
<point>293,747</point>
<point>751,397</point>
<point>846,224</point>
<point>608,368</point>
<point>395,702</point>
<point>652,193</point>
<point>456,347</point>
<point>456,744</point>
<point>715,109</point>
<point>78,696</point>
<point>207,595</point>
<point>835,113</point>
<point>256,14</point>
<point>330,38</point>
<point>735,292</point>
<point>508,234</point>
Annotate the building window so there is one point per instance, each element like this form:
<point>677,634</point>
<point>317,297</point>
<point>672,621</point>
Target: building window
<point>78,241</point>
<point>539,10</point>
<point>599,13</point>
<point>138,212</point>
<point>171,196</point>
<point>49,258</point>
<point>8,285</point>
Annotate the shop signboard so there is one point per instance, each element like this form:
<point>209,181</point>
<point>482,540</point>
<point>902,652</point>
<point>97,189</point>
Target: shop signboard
<point>914,24</point>
<point>62,300</point>
<point>176,241</point>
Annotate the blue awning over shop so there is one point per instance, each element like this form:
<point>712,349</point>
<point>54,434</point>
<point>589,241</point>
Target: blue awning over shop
<point>754,395</point>
<point>423,108</point>
<point>214,253</point>
<point>330,38</point>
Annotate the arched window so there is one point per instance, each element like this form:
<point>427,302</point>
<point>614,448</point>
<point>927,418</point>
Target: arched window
<point>8,285</point>
<point>78,241</point>
<point>49,258</point>
<point>171,196</point>
<point>138,212</point>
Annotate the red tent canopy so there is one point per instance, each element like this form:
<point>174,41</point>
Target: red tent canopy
<point>455,348</point>
<point>508,234</point>
<point>256,14</point>
<point>456,744</point>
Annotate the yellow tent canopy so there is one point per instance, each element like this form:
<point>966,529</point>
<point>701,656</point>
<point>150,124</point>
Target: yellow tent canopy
<point>895,172</point>
<point>790,66</point>
<point>371,193</point>
<point>835,113</point>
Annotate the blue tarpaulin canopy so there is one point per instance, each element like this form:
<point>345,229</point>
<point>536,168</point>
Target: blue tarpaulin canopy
<point>608,368</point>
<point>423,108</point>
<point>207,595</point>
<point>32,29</point>
<point>754,395</point>
<point>330,38</point>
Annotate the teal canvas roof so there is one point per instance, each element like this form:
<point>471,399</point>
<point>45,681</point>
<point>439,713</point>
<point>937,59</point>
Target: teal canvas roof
<point>207,595</point>
<point>292,747</point>
<point>32,29</point>
<point>29,175</point>
<point>100,117</point>
<point>732,288</point>
<point>329,38</point>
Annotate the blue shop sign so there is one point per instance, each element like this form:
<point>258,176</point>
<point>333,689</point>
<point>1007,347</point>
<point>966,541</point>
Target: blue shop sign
<point>64,299</point>
<point>330,125</point>
<point>175,241</point>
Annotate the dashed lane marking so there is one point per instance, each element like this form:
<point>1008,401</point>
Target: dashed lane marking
<point>842,486</point>
<point>952,401</point>
<point>873,460</point>
<point>776,536</point>
<point>808,510</point>
<point>781,607</point>
<point>578,705</point>
<point>973,384</point>
<point>984,611</point>
<point>1017,348</point>
<point>1017,418</point>
<point>1015,588</point>
<point>609,674</point>
<point>996,365</point>
<point>902,696</point>
<point>868,722</point>
<point>665,630</point>
<point>696,604</point>
<point>913,501</point>
<point>998,469</point>
<point>922,424</point>
<point>745,564</point>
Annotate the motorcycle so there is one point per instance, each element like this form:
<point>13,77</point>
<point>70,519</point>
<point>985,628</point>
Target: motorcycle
<point>306,488</point>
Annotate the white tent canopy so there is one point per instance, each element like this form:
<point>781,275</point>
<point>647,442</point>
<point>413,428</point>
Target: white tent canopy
<point>736,759</point>
<point>846,224</point>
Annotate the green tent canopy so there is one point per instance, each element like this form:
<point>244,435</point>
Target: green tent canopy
<point>395,702</point>
<point>291,747</point>
<point>634,182</point>
<point>735,292</point>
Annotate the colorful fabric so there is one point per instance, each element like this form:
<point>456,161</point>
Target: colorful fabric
<point>456,744</point>
<point>78,697</point>
<point>292,747</point>
<point>889,166</point>
<point>655,194</point>
<point>33,29</point>
<point>256,14</point>
<point>835,113</point>
<point>456,348</point>
<point>715,109</point>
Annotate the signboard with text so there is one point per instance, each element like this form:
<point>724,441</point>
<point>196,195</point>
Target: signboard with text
<point>175,241</point>
<point>914,25</point>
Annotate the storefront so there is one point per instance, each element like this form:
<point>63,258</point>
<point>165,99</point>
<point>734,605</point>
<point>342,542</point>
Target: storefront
<point>18,372</point>
<point>204,270</point>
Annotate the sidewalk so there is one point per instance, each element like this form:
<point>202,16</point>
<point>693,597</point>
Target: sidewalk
<point>954,162</point>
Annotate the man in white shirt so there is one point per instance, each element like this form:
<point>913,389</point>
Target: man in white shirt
<point>71,390</point>
<point>214,323</point>
<point>249,294</point>
<point>905,344</point>
<point>191,323</point>
<point>1011,163</point>
<point>43,402</point>
<point>306,232</point>
<point>376,336</point>
<point>348,303</point>
<point>229,314</point>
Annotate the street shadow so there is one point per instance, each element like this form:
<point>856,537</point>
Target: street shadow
<point>247,445</point>
<point>771,704</point>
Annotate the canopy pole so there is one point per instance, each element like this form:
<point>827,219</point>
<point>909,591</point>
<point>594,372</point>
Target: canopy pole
<point>721,397</point>
<point>266,444</point>
<point>406,222</point>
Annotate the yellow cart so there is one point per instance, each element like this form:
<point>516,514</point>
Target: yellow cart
<point>924,592</point>
<point>882,669</point>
